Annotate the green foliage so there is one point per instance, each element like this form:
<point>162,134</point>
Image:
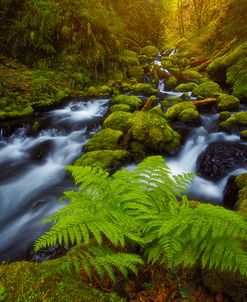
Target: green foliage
<point>2,293</point>
<point>145,207</point>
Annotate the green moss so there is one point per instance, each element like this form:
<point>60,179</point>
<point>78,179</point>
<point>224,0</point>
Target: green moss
<point>136,72</point>
<point>35,126</point>
<point>173,100</point>
<point>164,103</point>
<point>120,107</point>
<point>132,101</point>
<point>166,63</point>
<point>150,51</point>
<point>193,74</point>
<point>104,158</point>
<point>241,181</point>
<point>176,112</point>
<point>238,119</point>
<point>143,88</point>
<point>29,281</point>
<point>224,115</point>
<point>207,89</point>
<point>236,71</point>
<point>186,87</point>
<point>243,135</point>
<point>171,82</point>
<point>228,102</point>
<point>118,120</point>
<point>240,88</point>
<point>153,131</point>
<point>105,90</point>
<point>188,115</point>
<point>156,110</point>
<point>129,58</point>
<point>137,147</point>
<point>106,139</point>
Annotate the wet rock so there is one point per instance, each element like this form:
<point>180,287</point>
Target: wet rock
<point>220,158</point>
<point>41,151</point>
<point>230,193</point>
<point>49,253</point>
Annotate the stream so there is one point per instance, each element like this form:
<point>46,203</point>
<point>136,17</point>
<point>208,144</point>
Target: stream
<point>33,176</point>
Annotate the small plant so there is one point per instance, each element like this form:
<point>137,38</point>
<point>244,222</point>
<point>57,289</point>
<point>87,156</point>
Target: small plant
<point>3,293</point>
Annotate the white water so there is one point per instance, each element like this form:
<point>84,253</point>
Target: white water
<point>31,187</point>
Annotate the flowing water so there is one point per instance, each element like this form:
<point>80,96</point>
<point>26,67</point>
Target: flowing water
<point>33,175</point>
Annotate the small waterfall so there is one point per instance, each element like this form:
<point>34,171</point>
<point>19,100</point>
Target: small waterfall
<point>34,175</point>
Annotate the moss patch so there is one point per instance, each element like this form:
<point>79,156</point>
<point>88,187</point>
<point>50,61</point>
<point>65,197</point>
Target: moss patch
<point>207,89</point>
<point>184,111</point>
<point>105,139</point>
<point>28,281</point>
<point>228,102</point>
<point>118,120</point>
<point>104,158</point>
<point>120,107</point>
<point>186,87</point>
<point>132,101</point>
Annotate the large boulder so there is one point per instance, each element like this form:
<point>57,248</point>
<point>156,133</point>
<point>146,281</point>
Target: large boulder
<point>153,131</point>
<point>228,102</point>
<point>133,101</point>
<point>184,112</point>
<point>220,158</point>
<point>185,87</point>
<point>105,139</point>
<point>118,120</point>
<point>207,89</point>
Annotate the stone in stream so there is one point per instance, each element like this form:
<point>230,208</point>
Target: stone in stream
<point>230,193</point>
<point>41,151</point>
<point>220,158</point>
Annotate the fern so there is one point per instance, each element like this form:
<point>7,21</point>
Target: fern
<point>146,208</point>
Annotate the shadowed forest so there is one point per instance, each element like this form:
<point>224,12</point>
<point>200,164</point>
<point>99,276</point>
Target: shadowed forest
<point>123,150</point>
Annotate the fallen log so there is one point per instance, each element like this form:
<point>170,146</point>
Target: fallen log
<point>206,101</point>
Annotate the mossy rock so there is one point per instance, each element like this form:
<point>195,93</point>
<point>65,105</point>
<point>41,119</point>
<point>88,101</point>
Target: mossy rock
<point>227,102</point>
<point>136,72</point>
<point>166,63</point>
<point>146,89</point>
<point>150,51</point>
<point>243,135</point>
<point>92,91</point>
<point>171,82</point>
<point>186,87</point>
<point>207,89</point>
<point>103,158</point>
<point>29,281</point>
<point>153,131</point>
<point>224,115</point>
<point>132,101</point>
<point>156,110</point>
<point>130,58</point>
<point>182,111</point>
<point>238,119</point>
<point>105,90</point>
<point>241,181</point>
<point>137,147</point>
<point>118,120</point>
<point>120,107</point>
<point>173,100</point>
<point>240,88</point>
<point>217,69</point>
<point>188,115</point>
<point>193,74</point>
<point>16,112</point>
<point>236,71</point>
<point>106,139</point>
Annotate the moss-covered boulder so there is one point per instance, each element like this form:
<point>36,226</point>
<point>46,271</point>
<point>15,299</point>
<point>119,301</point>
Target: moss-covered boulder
<point>240,88</point>
<point>150,51</point>
<point>224,115</point>
<point>132,101</point>
<point>241,181</point>
<point>237,120</point>
<point>105,90</point>
<point>243,135</point>
<point>105,139</point>
<point>171,82</point>
<point>129,58</point>
<point>173,100</point>
<point>156,110</point>
<point>118,120</point>
<point>46,282</point>
<point>153,131</point>
<point>103,158</point>
<point>188,115</point>
<point>190,86</point>
<point>120,107</point>
<point>192,74</point>
<point>207,89</point>
<point>184,112</point>
<point>228,102</point>
<point>143,88</point>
